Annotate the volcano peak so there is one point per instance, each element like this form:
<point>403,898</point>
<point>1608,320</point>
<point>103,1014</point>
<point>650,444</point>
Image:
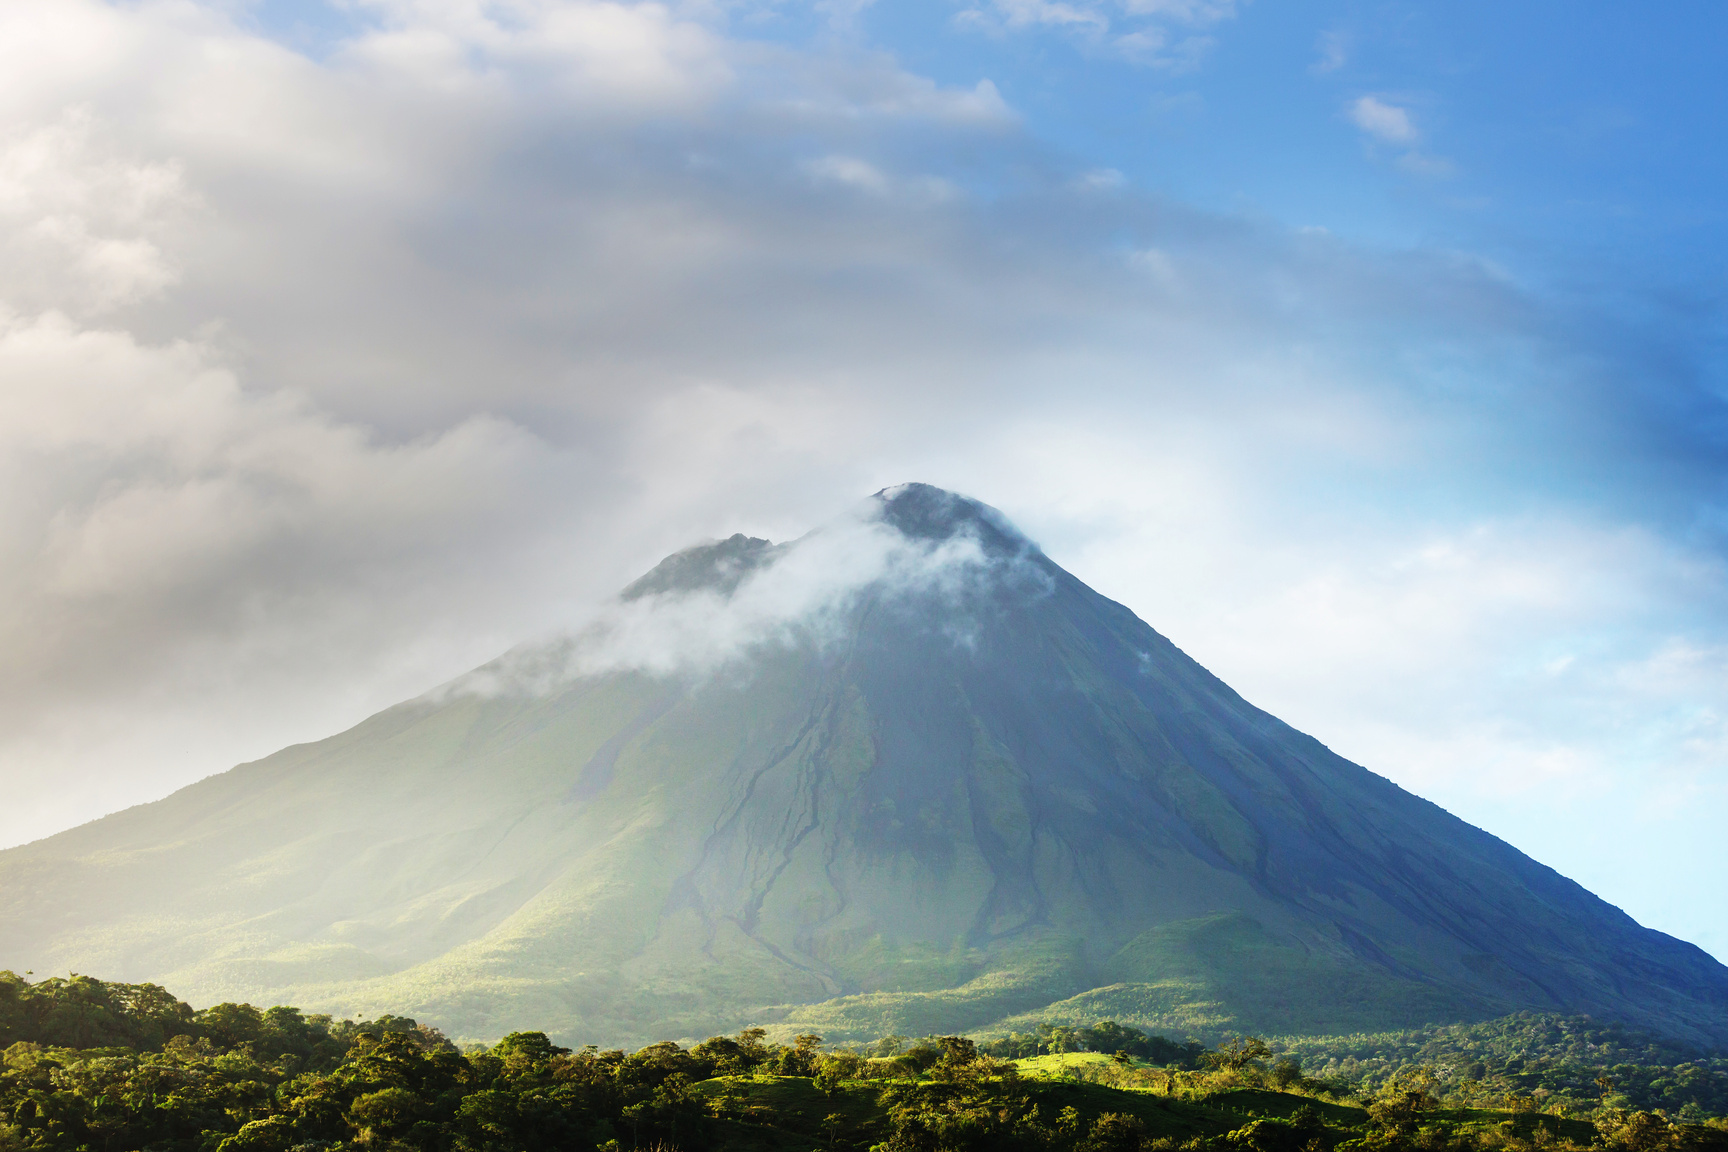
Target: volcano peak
<point>924,511</point>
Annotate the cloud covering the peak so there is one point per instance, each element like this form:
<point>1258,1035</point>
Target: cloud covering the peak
<point>335,364</point>
<point>803,593</point>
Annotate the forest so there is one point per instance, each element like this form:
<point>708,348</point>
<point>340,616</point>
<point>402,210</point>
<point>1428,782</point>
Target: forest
<point>111,1067</point>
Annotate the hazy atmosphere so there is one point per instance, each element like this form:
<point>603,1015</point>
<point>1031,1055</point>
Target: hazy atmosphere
<point>1371,352</point>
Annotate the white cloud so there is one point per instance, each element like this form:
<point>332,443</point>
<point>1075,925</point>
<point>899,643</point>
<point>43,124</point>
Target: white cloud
<point>1027,13</point>
<point>1193,12</point>
<point>1383,121</point>
<point>146,492</point>
<point>81,228</point>
<point>851,172</point>
<point>639,54</point>
<point>805,596</point>
<point>1140,31</point>
<point>1392,124</point>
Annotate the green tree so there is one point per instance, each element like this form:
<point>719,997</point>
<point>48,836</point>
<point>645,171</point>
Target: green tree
<point>1637,1131</point>
<point>1237,1053</point>
<point>1115,1132</point>
<point>1402,1101</point>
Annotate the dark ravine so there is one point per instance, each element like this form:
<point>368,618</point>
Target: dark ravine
<point>987,799</point>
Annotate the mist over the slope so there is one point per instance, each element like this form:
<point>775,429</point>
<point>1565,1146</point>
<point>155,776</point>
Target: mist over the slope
<point>327,378</point>
<point>805,593</point>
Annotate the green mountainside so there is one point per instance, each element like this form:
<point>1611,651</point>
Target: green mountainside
<point>956,792</point>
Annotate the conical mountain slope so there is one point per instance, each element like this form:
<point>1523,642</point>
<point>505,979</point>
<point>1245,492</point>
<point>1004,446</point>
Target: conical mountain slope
<point>905,774</point>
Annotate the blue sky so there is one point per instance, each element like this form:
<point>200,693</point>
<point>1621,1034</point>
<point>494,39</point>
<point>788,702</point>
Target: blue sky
<point>1373,352</point>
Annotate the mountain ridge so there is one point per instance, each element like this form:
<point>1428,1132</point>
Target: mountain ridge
<point>949,786</point>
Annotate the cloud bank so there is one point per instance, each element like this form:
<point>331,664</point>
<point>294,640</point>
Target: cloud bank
<point>328,377</point>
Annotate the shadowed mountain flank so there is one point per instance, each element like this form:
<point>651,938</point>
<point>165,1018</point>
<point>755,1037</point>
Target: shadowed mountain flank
<point>953,787</point>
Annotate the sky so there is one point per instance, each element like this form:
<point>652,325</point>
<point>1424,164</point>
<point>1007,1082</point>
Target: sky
<point>1373,352</point>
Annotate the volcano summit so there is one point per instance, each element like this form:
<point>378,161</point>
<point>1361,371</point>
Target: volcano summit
<point>904,774</point>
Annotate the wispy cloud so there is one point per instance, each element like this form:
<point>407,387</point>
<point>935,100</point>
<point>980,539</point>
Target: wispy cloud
<point>805,595</point>
<point>851,172</point>
<point>1383,121</point>
<point>1389,123</point>
<point>1164,34</point>
<point>1332,52</point>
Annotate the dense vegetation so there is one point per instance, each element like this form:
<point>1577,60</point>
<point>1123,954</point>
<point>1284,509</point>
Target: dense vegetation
<point>1104,1036</point>
<point>1570,1062</point>
<point>1049,1039</point>
<point>89,1066</point>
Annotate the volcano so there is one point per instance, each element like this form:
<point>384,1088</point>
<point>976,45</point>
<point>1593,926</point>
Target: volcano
<point>903,775</point>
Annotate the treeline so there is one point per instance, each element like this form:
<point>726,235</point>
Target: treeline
<point>727,1094</point>
<point>234,1078</point>
<point>1106,1036</point>
<point>86,1013</point>
<point>391,1089</point>
<point>1573,1063</point>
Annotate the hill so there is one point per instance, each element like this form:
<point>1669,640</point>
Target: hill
<point>904,775</point>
